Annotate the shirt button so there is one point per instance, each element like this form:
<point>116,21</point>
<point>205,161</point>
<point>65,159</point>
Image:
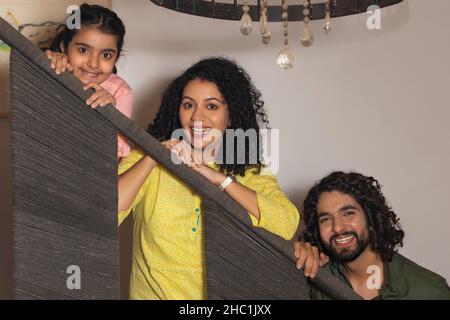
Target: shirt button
<point>197,210</point>
<point>194,229</point>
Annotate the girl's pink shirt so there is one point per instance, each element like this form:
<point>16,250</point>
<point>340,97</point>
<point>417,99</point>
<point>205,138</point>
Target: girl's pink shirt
<point>123,94</point>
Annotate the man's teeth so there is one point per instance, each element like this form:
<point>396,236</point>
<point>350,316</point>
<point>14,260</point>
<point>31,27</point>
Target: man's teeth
<point>344,239</point>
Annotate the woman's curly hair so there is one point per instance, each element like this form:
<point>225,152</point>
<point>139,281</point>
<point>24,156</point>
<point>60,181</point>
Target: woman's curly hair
<point>241,96</point>
<point>384,228</point>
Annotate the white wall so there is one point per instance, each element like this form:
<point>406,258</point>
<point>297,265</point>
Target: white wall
<point>370,101</point>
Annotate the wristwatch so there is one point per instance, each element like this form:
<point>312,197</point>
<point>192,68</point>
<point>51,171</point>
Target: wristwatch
<point>227,182</point>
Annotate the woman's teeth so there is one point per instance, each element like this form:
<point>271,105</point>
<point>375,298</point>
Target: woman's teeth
<point>342,240</point>
<point>200,130</point>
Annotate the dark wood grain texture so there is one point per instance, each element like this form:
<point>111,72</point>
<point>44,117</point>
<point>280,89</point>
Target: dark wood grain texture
<point>64,187</point>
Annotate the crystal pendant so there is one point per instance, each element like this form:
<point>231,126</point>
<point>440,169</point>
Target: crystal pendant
<point>246,24</point>
<point>264,29</point>
<point>286,58</point>
<point>266,37</point>
<point>308,37</point>
<point>327,26</point>
<point>263,24</point>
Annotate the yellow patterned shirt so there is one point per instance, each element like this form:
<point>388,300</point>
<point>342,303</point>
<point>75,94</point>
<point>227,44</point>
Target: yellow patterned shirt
<point>168,257</point>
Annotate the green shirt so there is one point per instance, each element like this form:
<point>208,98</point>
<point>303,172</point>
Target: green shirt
<point>403,280</point>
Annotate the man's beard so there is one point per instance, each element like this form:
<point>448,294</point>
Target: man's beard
<point>347,255</point>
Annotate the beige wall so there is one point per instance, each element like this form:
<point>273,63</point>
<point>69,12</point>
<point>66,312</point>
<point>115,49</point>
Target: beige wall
<point>371,101</point>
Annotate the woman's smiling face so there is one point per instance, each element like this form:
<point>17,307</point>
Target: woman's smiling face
<point>203,112</point>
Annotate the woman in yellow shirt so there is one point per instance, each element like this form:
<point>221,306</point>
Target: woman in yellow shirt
<point>205,103</point>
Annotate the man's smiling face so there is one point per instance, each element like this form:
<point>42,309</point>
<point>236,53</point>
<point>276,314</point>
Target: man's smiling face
<point>342,226</point>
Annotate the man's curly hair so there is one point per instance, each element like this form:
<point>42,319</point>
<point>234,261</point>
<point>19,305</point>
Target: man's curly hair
<point>241,96</point>
<point>385,233</point>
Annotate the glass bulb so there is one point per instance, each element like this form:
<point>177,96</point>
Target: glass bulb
<point>286,58</point>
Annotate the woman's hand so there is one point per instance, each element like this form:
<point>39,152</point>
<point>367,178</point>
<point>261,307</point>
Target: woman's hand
<point>309,257</point>
<point>101,97</point>
<point>241,194</point>
<point>186,154</point>
<point>59,61</point>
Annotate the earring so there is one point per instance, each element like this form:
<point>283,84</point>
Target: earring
<point>246,20</point>
<point>263,24</point>
<point>308,37</point>
<point>327,26</point>
<point>286,57</point>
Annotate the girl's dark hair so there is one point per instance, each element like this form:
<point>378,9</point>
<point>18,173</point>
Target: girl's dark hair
<point>384,228</point>
<point>242,98</point>
<point>93,16</point>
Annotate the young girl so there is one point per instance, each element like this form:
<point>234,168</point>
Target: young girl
<point>168,257</point>
<point>91,53</point>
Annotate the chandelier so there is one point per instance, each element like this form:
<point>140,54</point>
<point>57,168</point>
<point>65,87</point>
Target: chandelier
<point>263,13</point>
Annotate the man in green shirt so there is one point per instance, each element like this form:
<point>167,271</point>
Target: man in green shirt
<point>351,230</point>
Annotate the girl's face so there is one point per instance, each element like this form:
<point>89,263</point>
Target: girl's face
<point>203,109</point>
<point>93,54</point>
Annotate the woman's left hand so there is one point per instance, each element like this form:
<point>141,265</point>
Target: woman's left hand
<point>101,97</point>
<point>186,154</point>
